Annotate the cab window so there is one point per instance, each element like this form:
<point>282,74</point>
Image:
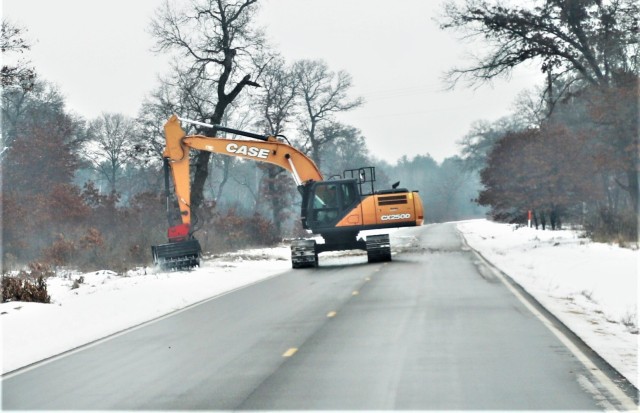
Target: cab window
<point>326,196</point>
<point>349,195</point>
<point>325,203</point>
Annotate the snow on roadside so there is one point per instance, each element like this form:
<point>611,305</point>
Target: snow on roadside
<point>591,287</point>
<point>105,303</point>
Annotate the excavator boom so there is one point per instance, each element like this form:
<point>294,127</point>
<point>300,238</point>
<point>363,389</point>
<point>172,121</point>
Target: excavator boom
<point>183,250</point>
<point>268,150</point>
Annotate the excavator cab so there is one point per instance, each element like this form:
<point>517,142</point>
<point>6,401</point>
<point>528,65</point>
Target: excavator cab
<point>339,210</point>
<point>328,202</point>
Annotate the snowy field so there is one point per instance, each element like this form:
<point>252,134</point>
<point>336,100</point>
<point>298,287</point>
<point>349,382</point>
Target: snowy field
<point>591,287</point>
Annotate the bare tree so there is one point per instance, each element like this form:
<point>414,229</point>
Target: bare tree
<point>323,93</point>
<point>23,109</point>
<point>481,138</point>
<point>276,105</point>
<point>110,145</point>
<point>590,39</point>
<point>12,41</point>
<point>214,43</point>
<point>276,98</point>
<point>17,80</point>
<point>154,112</point>
<point>348,148</point>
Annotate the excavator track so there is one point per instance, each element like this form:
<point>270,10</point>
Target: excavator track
<point>378,248</point>
<point>304,253</point>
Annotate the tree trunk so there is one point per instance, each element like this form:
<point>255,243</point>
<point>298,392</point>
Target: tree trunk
<point>633,189</point>
<point>315,147</point>
<point>275,200</point>
<point>201,172</point>
<point>199,178</point>
<point>225,176</point>
<point>113,178</point>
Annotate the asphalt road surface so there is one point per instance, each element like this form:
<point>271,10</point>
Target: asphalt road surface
<point>433,330</point>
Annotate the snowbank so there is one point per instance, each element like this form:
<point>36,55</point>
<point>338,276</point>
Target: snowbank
<point>591,287</point>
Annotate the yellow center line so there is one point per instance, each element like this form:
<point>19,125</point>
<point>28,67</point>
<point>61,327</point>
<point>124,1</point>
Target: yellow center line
<point>331,314</point>
<point>355,293</point>
<point>290,352</point>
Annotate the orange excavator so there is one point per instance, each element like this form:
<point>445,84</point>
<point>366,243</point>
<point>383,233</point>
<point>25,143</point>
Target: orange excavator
<point>335,209</point>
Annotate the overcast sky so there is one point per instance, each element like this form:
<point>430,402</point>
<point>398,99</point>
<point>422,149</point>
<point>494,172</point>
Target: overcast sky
<point>98,53</point>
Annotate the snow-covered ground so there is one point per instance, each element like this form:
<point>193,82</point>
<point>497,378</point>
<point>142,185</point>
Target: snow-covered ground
<point>106,303</point>
<point>591,287</point>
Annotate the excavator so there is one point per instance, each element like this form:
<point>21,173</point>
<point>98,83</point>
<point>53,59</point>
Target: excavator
<point>336,209</point>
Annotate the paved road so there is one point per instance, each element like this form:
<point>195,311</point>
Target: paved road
<point>433,329</point>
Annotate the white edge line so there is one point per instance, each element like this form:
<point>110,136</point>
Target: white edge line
<point>625,401</point>
<point>82,347</point>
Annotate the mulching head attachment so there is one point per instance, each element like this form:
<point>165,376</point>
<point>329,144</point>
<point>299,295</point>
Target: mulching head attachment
<point>177,255</point>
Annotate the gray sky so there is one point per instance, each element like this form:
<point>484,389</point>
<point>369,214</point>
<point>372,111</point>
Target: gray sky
<point>98,53</point>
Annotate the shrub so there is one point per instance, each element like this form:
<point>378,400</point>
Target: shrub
<point>92,240</point>
<point>29,286</point>
<point>262,231</point>
<point>76,283</point>
<point>60,252</point>
<point>608,226</point>
<point>233,231</point>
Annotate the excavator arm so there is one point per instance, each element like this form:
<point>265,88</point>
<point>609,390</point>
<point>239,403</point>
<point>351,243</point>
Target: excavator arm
<point>183,250</point>
<point>260,148</point>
